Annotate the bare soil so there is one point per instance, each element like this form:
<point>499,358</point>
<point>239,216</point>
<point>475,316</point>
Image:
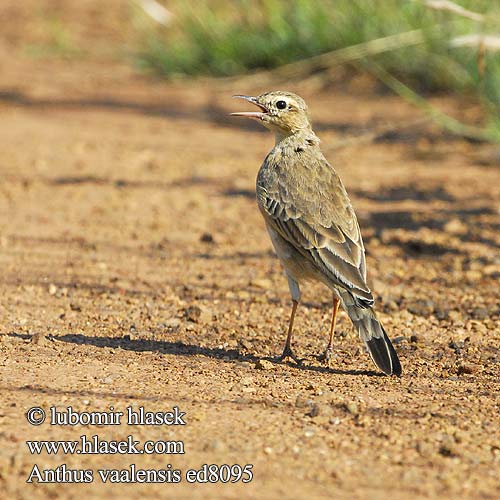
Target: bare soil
<point>136,270</point>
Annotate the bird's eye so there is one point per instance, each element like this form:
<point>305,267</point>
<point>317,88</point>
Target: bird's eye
<point>281,104</point>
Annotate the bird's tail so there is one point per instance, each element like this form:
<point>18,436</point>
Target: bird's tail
<point>372,333</point>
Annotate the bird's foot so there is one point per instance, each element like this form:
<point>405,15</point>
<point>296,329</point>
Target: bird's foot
<point>288,355</point>
<point>326,356</point>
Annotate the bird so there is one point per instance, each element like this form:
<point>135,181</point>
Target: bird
<point>312,225</point>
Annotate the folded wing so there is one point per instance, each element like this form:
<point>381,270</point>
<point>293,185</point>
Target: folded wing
<point>314,214</point>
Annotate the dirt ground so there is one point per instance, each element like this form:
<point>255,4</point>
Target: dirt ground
<point>136,271</point>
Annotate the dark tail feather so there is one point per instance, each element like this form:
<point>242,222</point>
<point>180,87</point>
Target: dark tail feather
<point>373,334</point>
<point>384,355</point>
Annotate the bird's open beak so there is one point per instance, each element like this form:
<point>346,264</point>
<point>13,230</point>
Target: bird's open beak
<point>251,114</point>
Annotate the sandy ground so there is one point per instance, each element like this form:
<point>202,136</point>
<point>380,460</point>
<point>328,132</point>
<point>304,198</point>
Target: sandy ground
<point>136,271</point>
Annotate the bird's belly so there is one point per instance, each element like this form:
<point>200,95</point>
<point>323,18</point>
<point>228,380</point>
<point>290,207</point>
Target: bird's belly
<point>296,266</point>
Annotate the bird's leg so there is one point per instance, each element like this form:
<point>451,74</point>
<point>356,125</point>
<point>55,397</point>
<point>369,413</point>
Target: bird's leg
<point>326,356</point>
<point>287,351</point>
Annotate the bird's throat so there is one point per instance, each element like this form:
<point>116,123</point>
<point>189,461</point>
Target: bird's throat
<point>303,134</point>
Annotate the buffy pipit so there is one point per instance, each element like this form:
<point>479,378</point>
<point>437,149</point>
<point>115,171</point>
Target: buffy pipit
<point>312,224</point>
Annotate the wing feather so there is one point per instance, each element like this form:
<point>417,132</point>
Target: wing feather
<point>312,211</point>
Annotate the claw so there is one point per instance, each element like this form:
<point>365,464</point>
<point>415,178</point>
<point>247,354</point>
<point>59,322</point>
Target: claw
<point>288,355</point>
<point>326,356</point>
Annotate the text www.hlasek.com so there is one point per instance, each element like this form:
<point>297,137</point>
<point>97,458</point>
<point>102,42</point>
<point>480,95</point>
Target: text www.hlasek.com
<point>95,446</point>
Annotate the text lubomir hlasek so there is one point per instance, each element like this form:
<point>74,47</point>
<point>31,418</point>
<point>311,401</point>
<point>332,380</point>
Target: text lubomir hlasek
<point>139,416</point>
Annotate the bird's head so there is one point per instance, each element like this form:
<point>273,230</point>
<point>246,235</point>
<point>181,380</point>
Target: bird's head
<point>282,112</point>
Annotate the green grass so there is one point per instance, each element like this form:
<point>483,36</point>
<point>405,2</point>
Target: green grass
<point>211,37</point>
<point>59,42</point>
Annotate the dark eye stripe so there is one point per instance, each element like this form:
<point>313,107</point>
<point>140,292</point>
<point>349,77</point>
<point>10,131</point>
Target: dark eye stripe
<point>281,104</point>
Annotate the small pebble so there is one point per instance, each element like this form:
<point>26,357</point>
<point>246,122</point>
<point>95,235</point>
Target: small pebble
<point>314,411</point>
<point>38,338</point>
<point>399,340</point>
<point>302,402</point>
<point>192,313</point>
<point>448,447</point>
<point>264,364</point>
<point>215,446</point>
<point>245,344</point>
<point>421,307</point>
<point>468,368</point>
<point>480,313</point>
<point>206,238</point>
<point>172,324</point>
<point>263,283</point>
<point>352,408</point>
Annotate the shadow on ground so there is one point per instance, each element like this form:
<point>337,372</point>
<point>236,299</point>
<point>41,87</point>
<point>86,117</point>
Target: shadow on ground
<point>183,349</point>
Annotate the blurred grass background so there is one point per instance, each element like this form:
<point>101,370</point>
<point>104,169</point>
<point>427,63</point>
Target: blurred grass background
<point>419,46</point>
